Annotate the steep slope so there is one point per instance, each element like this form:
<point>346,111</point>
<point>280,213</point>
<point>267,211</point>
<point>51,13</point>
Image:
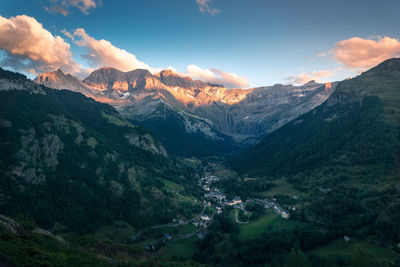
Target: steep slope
<point>58,80</point>
<point>264,109</point>
<point>182,133</point>
<point>108,78</point>
<point>342,156</point>
<point>219,119</point>
<point>68,161</point>
<point>169,78</point>
<point>356,125</point>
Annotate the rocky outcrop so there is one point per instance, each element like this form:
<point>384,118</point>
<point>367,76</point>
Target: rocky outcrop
<point>11,225</point>
<point>15,81</point>
<point>17,229</point>
<point>148,143</point>
<point>37,154</point>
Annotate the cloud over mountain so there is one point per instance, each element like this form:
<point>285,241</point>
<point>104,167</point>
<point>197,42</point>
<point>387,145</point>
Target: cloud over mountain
<point>32,48</point>
<point>104,53</point>
<point>305,77</point>
<point>365,53</point>
<point>228,79</point>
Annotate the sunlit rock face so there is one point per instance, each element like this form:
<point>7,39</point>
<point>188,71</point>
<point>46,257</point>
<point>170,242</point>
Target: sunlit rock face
<point>262,110</point>
<point>108,78</point>
<point>59,80</point>
<point>246,115</point>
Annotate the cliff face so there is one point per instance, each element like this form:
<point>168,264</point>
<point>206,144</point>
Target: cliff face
<point>59,80</point>
<point>245,115</point>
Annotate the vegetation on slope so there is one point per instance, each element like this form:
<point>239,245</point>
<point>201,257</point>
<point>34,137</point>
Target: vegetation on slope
<point>68,163</point>
<point>343,157</point>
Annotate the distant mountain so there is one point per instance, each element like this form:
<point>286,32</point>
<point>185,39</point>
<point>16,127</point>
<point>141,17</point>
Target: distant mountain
<point>204,113</point>
<point>107,78</point>
<point>264,109</point>
<point>170,78</point>
<point>71,162</point>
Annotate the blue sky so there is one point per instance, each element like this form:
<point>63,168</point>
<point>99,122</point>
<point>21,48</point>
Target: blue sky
<point>265,41</point>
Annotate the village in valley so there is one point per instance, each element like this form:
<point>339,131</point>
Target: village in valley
<point>214,202</point>
<point>213,197</point>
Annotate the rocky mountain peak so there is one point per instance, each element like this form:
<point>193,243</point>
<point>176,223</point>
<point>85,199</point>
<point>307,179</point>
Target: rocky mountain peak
<point>106,78</point>
<point>54,75</point>
<point>137,74</point>
<point>59,72</point>
<point>171,78</point>
<point>312,82</point>
<point>59,80</point>
<point>166,73</point>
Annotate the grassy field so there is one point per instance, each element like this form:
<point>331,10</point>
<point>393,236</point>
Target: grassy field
<point>119,231</point>
<point>282,188</point>
<point>225,173</point>
<point>172,186</point>
<point>346,249</point>
<point>270,221</point>
<point>176,189</point>
<point>184,248</point>
<point>180,230</point>
<point>191,162</point>
<point>117,121</point>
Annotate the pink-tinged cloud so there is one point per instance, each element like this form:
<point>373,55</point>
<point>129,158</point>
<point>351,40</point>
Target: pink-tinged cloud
<point>32,48</point>
<point>230,80</point>
<point>205,6</point>
<point>103,53</point>
<point>305,77</point>
<point>62,6</point>
<point>365,53</point>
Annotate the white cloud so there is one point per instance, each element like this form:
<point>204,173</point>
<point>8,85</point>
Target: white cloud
<point>305,77</point>
<point>363,54</point>
<point>103,53</point>
<point>32,48</point>
<point>230,80</point>
<point>205,6</point>
<point>62,6</point>
<point>68,34</point>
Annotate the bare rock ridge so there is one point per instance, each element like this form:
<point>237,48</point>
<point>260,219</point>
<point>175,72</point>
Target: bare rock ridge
<point>110,78</point>
<point>245,115</point>
<point>58,80</point>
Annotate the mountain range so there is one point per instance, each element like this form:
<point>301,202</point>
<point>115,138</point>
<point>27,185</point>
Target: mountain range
<point>210,118</point>
<point>103,186</point>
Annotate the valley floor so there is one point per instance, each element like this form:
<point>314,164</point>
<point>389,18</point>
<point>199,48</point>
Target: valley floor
<point>226,226</point>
